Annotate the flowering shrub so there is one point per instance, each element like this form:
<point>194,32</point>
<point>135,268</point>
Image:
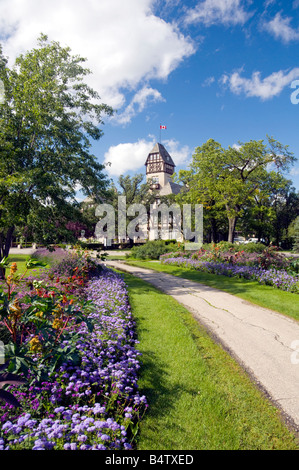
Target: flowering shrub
<point>273,277</point>
<point>86,396</point>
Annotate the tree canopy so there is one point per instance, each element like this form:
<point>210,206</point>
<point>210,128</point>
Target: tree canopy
<point>229,179</point>
<point>48,118</point>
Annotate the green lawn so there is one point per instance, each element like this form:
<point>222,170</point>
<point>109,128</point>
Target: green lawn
<point>199,398</point>
<point>265,296</point>
<point>21,264</point>
<point>20,260</point>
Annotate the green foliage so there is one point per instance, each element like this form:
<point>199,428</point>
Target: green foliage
<point>153,249</point>
<point>293,268</point>
<point>47,121</point>
<point>252,247</point>
<point>228,180</point>
<point>296,235</point>
<point>224,246</point>
<point>136,192</point>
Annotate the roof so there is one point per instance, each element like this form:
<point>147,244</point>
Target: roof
<point>159,148</point>
<point>171,188</point>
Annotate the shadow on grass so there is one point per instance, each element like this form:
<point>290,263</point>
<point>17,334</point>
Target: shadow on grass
<point>162,392</point>
<point>155,386</point>
<point>18,259</point>
<point>159,381</point>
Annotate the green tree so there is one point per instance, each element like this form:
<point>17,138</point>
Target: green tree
<point>136,191</point>
<point>295,234</point>
<point>47,121</point>
<point>270,209</point>
<point>214,217</point>
<point>286,207</point>
<point>230,177</point>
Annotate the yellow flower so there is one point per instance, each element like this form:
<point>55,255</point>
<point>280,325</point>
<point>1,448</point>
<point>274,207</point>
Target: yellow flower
<point>13,268</point>
<point>35,345</point>
<point>57,324</point>
<point>39,314</point>
<point>58,311</point>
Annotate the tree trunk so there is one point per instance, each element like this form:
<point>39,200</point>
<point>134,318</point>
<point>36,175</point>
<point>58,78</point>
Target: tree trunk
<point>231,228</point>
<point>213,231</point>
<point>5,244</point>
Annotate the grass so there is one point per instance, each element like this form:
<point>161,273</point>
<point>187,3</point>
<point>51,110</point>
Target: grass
<point>20,260</point>
<point>251,291</point>
<point>21,264</point>
<point>199,397</point>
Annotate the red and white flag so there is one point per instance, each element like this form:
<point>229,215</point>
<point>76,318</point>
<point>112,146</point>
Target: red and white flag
<point>162,127</point>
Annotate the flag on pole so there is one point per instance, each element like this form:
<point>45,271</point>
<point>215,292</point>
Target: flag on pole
<point>162,127</point>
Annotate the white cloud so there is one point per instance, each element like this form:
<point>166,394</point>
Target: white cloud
<point>138,103</point>
<point>127,157</point>
<point>236,146</point>
<point>281,28</point>
<point>255,86</point>
<point>124,42</point>
<point>132,156</point>
<point>180,155</point>
<point>294,171</point>
<point>227,12</point>
<point>208,81</point>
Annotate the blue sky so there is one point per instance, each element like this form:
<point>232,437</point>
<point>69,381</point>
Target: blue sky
<point>220,69</point>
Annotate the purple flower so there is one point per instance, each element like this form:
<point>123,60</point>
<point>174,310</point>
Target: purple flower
<point>107,372</point>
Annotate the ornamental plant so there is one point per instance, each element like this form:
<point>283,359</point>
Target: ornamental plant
<point>40,320</point>
<point>93,403</point>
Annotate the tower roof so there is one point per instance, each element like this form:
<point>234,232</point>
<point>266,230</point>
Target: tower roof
<point>161,150</point>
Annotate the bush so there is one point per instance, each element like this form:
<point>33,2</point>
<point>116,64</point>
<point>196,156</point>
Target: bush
<point>252,247</point>
<point>226,246</point>
<point>153,249</point>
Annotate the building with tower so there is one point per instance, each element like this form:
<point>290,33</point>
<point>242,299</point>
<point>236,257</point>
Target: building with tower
<point>159,169</point>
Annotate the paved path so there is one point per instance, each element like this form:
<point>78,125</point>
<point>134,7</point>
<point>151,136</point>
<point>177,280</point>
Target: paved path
<point>21,251</point>
<point>259,339</point>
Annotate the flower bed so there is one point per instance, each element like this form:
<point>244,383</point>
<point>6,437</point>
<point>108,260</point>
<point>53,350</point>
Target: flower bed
<point>268,258</point>
<point>90,399</point>
<point>273,277</point>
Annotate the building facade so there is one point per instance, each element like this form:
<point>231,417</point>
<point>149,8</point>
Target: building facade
<point>159,169</point>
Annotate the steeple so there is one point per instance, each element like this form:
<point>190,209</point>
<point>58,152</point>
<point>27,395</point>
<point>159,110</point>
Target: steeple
<point>159,166</point>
